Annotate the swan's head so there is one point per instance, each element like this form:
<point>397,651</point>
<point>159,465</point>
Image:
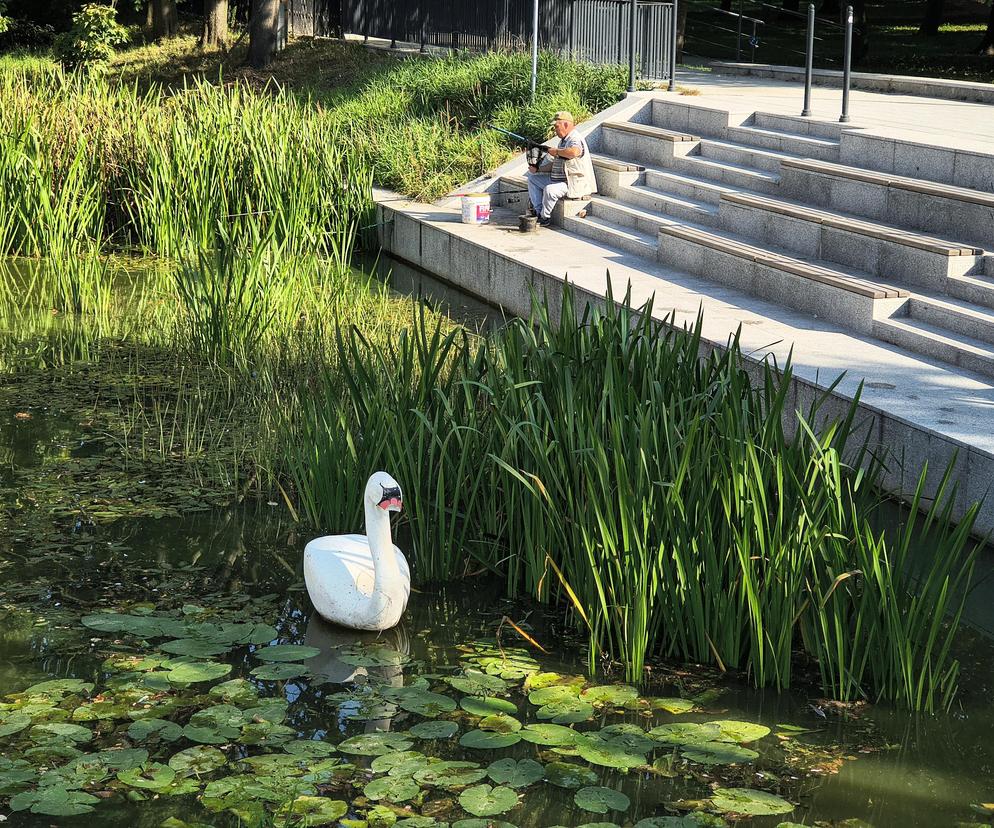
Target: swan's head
<point>383,491</point>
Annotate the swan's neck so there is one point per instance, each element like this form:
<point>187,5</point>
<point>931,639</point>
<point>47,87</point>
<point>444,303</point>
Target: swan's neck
<point>387,572</point>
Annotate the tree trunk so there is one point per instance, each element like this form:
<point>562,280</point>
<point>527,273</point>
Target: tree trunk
<point>164,20</point>
<point>934,13</point>
<point>215,31</point>
<point>681,30</point>
<point>987,44</point>
<point>262,32</point>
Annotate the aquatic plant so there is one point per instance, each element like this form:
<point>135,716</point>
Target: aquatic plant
<point>598,462</point>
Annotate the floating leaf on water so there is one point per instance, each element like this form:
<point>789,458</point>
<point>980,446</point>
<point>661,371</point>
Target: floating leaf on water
<point>377,655</point>
<point>194,672</point>
<point>435,730</point>
<point>695,820</point>
<point>267,734</point>
<point>61,730</point>
<point>500,723</point>
<point>741,732</point>
<point>450,774</point>
<point>205,735</point>
<point>197,647</point>
<point>613,694</point>
<point>482,823</point>
<point>476,683</point>
<point>686,733</point>
<point>392,789</point>
<point>536,681</point>
<point>236,691</point>
<point>60,687</point>
<point>426,703</point>
<point>278,672</point>
<point>308,811</point>
<point>375,744</point>
<point>162,729</point>
<point>268,710</point>
<point>487,705</point>
<point>567,711</point>
<point>286,652</point>
<point>488,740</point>
<point>600,800</point>
<point>599,825</point>
<point>748,801</point>
<point>151,777</point>
<point>13,723</point>
<point>552,735</point>
<point>143,626</point>
<point>515,773</point>
<point>605,754</point>
<point>553,694</point>
<point>718,753</point>
<point>420,822</point>
<point>382,764</point>
<point>309,748</point>
<point>673,705</point>
<point>14,774</point>
<point>484,800</point>
<point>197,761</point>
<point>54,801</point>
<point>101,710</point>
<point>630,737</point>
<point>569,775</point>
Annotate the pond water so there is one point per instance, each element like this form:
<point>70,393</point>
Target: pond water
<point>179,690</point>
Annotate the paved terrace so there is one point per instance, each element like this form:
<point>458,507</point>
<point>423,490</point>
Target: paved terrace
<point>923,409</point>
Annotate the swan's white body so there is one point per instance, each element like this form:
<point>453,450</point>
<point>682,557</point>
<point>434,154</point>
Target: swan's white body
<point>361,581</point>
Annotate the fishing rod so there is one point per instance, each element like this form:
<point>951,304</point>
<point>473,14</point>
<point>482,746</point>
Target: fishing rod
<point>535,152</point>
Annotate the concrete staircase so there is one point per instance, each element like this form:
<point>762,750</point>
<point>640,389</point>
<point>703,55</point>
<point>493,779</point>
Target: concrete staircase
<point>798,212</point>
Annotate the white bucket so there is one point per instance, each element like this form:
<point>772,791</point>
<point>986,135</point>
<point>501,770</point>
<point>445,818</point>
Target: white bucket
<point>475,208</point>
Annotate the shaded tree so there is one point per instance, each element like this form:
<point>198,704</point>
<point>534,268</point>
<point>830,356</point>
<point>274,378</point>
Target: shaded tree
<point>987,44</point>
<point>262,32</point>
<point>215,31</point>
<point>162,18</point>
<point>934,13</point>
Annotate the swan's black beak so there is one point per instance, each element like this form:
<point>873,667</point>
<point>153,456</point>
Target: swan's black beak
<point>392,500</point>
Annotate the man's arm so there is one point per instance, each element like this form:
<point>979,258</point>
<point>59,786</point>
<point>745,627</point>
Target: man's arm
<point>567,152</point>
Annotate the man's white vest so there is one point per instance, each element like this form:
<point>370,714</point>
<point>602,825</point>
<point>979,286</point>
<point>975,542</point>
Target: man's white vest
<point>580,180</point>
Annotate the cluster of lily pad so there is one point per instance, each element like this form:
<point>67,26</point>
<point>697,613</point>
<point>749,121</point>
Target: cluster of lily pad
<point>170,720</point>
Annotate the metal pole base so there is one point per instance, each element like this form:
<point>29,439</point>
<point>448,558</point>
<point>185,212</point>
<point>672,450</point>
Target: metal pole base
<point>806,113</point>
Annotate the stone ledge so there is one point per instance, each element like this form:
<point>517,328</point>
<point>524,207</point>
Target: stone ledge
<point>900,182</point>
<point>908,238</point>
<point>647,131</point>
<point>904,84</point>
<point>870,290</point>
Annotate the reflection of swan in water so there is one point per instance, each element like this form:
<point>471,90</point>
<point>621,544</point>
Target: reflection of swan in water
<point>389,648</point>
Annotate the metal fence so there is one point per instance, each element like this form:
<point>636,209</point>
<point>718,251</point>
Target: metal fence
<point>596,31</point>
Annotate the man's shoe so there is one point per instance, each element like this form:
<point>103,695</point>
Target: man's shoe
<point>545,222</point>
<point>531,212</point>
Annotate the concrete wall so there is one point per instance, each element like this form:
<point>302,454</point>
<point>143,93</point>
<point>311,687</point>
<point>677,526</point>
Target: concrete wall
<point>501,280</point>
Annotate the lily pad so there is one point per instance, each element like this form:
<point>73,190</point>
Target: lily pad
<point>309,748</point>
<point>153,777</point>
<point>605,754</point>
<point>426,703</point>
<point>487,705</point>
<point>567,711</point>
<point>54,801</point>
<point>162,729</point>
<point>552,694</point>
<point>515,773</point>
<point>500,723</point>
<point>375,744</point>
<point>548,734</point>
<point>194,672</point>
<point>741,732</point>
<point>237,691</point>
<point>600,800</point>
<point>435,730</point>
<point>60,687</point>
<point>13,723</point>
<point>488,740</point>
<point>392,789</point>
<point>617,695</point>
<point>749,801</point>
<point>674,705</point>
<point>718,753</point>
<point>484,800</point>
<point>685,733</point>
<point>313,811</point>
<point>286,652</point>
<point>476,683</point>
<point>482,823</point>
<point>278,672</point>
<point>61,730</point>
<point>450,774</point>
<point>194,647</point>
<point>197,761</point>
<point>631,737</point>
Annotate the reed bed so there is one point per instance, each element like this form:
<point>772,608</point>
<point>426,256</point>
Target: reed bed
<point>599,464</point>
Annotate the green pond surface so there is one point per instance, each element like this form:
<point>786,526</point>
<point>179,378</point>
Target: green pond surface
<point>171,633</point>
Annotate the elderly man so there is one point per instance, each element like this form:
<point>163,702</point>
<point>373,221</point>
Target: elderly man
<point>568,172</point>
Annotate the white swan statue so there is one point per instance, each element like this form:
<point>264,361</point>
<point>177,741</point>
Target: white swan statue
<point>361,581</point>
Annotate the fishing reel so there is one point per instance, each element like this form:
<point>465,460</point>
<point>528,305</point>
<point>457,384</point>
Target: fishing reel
<point>535,155</point>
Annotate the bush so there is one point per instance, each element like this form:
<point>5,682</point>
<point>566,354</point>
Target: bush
<point>24,34</point>
<point>90,43</point>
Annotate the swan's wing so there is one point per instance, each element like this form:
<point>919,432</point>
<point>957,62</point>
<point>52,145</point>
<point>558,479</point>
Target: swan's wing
<point>342,560</point>
<point>405,570</point>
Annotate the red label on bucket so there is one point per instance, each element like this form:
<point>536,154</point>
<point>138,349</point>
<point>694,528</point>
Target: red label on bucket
<point>482,212</point>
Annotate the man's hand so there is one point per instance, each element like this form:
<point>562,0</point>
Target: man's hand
<point>532,168</point>
<point>553,151</point>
